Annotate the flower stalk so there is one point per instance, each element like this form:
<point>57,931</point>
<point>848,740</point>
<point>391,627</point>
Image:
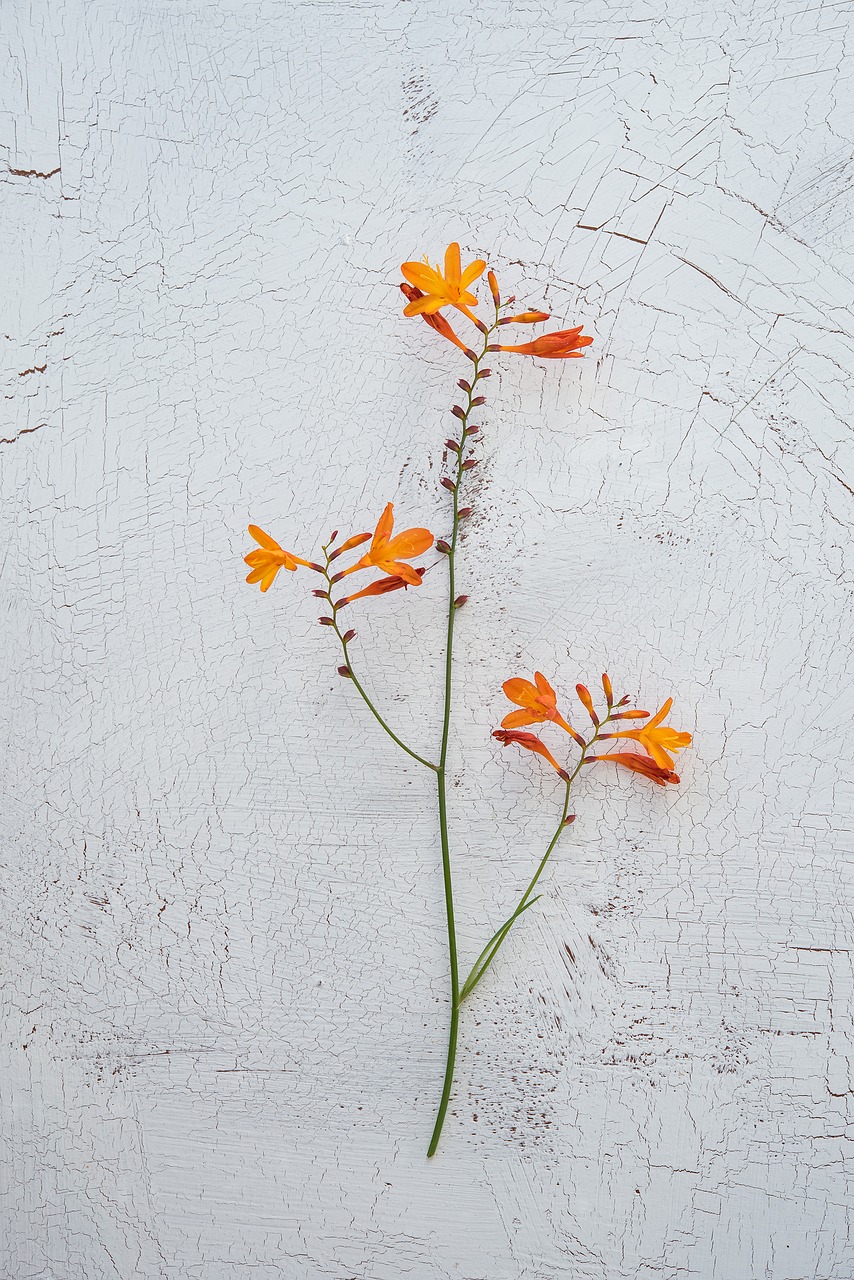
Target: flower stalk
<point>429,291</point>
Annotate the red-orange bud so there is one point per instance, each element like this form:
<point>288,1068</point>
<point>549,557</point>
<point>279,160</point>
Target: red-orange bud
<point>587,702</point>
<point>460,601</point>
<point>345,671</point>
<point>453,445</point>
<point>485,373</point>
<point>443,546</point>
<point>466,386</point>
<point>448,484</point>
<point>332,537</point>
<point>477,401</point>
<point>322,595</point>
<point>568,821</point>
<point>326,622</point>
<point>458,412</point>
<point>469,463</point>
<point>464,512</point>
<point>348,636</point>
<point>609,692</point>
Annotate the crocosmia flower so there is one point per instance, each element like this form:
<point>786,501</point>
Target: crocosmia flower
<point>538,702</point>
<point>389,553</point>
<point>266,562</point>
<point>530,742</point>
<point>442,289</point>
<point>656,738</point>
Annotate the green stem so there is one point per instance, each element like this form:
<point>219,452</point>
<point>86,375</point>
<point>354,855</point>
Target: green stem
<point>354,678</point>
<point>492,947</point>
<point>441,779</point>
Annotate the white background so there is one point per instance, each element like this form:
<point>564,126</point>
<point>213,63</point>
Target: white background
<point>223,923</point>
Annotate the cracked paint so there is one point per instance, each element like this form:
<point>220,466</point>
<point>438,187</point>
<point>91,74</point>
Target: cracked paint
<point>226,989</point>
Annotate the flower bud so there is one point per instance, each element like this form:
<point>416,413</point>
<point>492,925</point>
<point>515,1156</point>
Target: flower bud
<point>464,512</point>
<point>510,300</point>
<point>453,445</point>
<point>469,463</point>
<point>471,355</point>
<point>322,595</point>
<point>326,622</point>
<point>332,537</point>
<point>623,701</point>
<point>465,386</point>
<point>448,484</point>
<point>443,546</point>
<point>458,412</point>
<point>493,288</point>
<point>485,373</point>
<point>348,636</point>
<point>478,400</point>
<point>562,773</point>
<point>609,692</point>
<point>587,702</point>
<point>345,671</point>
<point>481,325</point>
<point>568,821</point>
<point>460,601</point>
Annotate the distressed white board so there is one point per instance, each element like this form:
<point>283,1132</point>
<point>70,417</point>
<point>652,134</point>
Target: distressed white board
<point>226,986</point>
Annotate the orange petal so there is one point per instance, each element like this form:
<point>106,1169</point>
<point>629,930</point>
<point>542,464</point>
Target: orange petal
<point>472,273</point>
<point>424,306</point>
<point>660,715</point>
<point>412,542</point>
<point>452,263</point>
<point>517,719</point>
<point>544,686</point>
<point>422,276</point>
<point>385,524</point>
<point>522,692</point>
<point>263,538</point>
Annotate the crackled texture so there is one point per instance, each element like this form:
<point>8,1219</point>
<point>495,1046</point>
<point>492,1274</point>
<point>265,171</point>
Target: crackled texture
<point>226,988</point>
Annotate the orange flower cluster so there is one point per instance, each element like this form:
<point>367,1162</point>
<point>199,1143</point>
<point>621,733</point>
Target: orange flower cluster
<point>539,703</point>
<point>428,289</point>
<point>386,552</point>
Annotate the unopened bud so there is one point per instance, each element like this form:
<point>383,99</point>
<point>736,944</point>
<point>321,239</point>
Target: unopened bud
<point>326,622</point>
<point>481,326</point>
<point>447,482</point>
<point>322,595</point>
<point>464,512</point>
<point>562,773</point>
<point>568,821</point>
<point>469,463</point>
<point>478,400</point>
<point>623,701</point>
<point>485,373</point>
<point>471,355</point>
<point>453,445</point>
<point>345,671</point>
<point>458,412</point>
<point>608,690</point>
<point>510,300</point>
<point>348,636</point>
<point>466,386</point>
<point>336,577</point>
<point>443,546</point>
<point>460,601</point>
<point>333,536</point>
<point>493,288</point>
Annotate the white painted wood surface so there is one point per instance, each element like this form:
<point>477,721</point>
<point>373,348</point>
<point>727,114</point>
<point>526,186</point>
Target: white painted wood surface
<point>225,965</point>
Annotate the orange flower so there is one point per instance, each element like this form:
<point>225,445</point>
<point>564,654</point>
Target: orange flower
<point>385,550</point>
<point>379,588</point>
<point>266,563</point>
<point>656,738</point>
<point>442,289</point>
<point>639,764</point>
<point>530,742</point>
<point>562,345</point>
<point>538,700</point>
<point>436,321</point>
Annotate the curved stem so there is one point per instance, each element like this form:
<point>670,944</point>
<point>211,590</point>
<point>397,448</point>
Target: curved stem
<point>443,758</point>
<point>428,764</point>
<point>492,947</point>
